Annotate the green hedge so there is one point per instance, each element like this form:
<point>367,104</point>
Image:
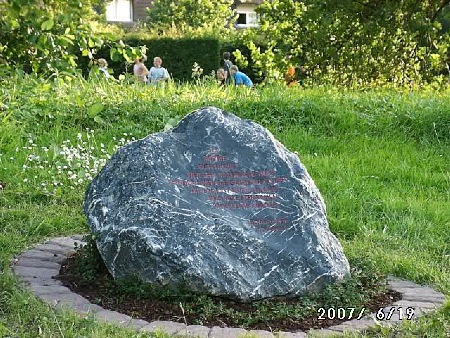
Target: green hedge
<point>178,55</point>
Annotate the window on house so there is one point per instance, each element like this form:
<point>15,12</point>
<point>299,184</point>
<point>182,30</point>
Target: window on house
<point>242,19</point>
<point>252,19</point>
<point>119,10</point>
<point>247,19</point>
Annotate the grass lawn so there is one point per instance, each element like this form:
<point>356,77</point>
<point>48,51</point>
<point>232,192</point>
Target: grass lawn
<point>381,160</point>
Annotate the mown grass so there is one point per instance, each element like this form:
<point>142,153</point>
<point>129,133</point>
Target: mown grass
<point>381,160</point>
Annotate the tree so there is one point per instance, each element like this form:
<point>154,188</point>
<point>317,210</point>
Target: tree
<point>47,36</point>
<point>351,42</point>
<point>216,14</point>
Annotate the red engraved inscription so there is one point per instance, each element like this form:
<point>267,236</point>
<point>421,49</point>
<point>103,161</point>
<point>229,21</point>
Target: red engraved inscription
<point>226,187</point>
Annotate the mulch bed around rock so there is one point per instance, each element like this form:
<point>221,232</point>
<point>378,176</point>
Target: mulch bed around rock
<point>98,292</point>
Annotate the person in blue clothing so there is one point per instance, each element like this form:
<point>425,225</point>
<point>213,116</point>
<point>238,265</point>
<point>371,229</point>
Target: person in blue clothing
<point>157,73</point>
<point>240,79</point>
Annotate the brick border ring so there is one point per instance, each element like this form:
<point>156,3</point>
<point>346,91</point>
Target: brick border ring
<point>37,267</point>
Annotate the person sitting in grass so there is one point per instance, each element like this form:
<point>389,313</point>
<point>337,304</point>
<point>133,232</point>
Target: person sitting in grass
<point>221,77</point>
<point>103,67</point>
<point>157,73</point>
<point>240,79</point>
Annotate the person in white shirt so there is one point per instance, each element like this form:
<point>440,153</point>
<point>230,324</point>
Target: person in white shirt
<point>157,73</point>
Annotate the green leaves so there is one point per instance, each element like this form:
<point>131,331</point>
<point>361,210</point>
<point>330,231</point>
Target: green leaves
<point>114,54</point>
<point>95,109</point>
<point>47,36</point>
<point>168,14</point>
<point>121,50</point>
<point>47,25</point>
<point>353,43</point>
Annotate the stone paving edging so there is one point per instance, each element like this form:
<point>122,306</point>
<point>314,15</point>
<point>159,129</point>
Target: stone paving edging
<point>37,267</point>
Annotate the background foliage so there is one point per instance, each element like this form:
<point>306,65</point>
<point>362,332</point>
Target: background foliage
<point>187,14</point>
<point>353,43</point>
<point>47,36</point>
<point>349,43</point>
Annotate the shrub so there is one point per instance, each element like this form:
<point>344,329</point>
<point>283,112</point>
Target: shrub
<point>46,36</point>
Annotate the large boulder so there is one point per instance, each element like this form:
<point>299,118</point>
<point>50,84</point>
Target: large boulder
<point>217,205</point>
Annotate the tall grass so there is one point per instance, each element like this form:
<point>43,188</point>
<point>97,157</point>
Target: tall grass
<point>381,160</point>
